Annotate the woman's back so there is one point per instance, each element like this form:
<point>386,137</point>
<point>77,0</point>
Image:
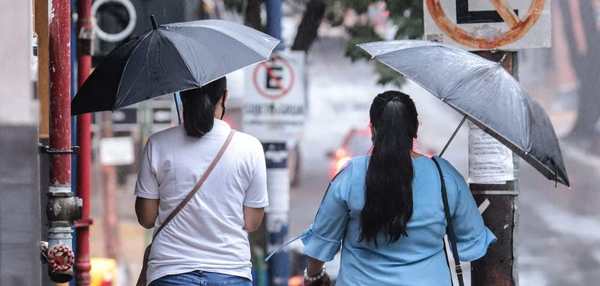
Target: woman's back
<point>208,234</point>
<point>415,259</point>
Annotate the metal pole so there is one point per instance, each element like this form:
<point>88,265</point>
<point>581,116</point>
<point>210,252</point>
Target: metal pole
<point>453,135</point>
<point>278,183</point>
<point>62,207</point>
<point>277,178</point>
<point>274,12</point>
<point>84,138</point>
<point>499,267</point>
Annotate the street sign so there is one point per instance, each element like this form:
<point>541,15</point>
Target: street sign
<point>489,24</point>
<point>275,105</point>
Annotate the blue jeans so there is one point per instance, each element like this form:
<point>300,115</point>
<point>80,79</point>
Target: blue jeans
<point>200,278</point>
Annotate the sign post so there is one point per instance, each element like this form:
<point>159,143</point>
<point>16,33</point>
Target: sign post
<point>495,30</point>
<point>493,174</point>
<point>274,112</point>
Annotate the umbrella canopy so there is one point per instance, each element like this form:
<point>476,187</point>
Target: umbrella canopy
<point>484,92</point>
<point>171,58</point>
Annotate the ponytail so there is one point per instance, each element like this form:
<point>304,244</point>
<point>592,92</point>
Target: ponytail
<point>199,107</point>
<point>388,194</point>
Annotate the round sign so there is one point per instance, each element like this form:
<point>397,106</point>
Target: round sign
<point>517,27</point>
<point>273,79</point>
<point>103,35</point>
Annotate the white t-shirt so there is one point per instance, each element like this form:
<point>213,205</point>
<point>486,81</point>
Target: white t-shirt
<point>208,233</point>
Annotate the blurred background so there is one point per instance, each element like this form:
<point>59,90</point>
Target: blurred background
<point>558,241</point>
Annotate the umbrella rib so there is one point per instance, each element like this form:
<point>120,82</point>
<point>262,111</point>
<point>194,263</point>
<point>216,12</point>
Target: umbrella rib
<point>126,64</point>
<point>233,38</point>
<point>177,108</point>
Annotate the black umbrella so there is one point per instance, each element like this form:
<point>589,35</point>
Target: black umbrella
<point>171,58</point>
<point>484,92</point>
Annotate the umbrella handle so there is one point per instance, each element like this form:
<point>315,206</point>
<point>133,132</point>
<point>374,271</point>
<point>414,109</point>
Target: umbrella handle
<point>177,107</point>
<point>154,22</point>
<point>453,135</point>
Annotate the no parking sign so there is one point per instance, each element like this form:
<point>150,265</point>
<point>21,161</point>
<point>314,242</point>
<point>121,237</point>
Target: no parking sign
<point>489,24</point>
<point>275,104</point>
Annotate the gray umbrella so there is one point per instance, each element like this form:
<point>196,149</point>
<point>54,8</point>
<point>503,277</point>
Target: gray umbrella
<point>484,92</point>
<point>170,58</point>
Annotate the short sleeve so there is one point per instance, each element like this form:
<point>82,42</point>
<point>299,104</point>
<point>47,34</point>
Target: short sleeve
<point>256,194</point>
<point>324,238</point>
<point>147,182</point>
<point>473,237</point>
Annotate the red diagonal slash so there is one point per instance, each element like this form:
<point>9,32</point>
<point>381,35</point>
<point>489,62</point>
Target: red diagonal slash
<point>506,12</point>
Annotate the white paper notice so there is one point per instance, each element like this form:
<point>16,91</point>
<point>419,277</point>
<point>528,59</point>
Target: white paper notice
<point>490,162</point>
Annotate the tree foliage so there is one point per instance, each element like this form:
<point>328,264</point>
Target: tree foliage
<point>406,15</point>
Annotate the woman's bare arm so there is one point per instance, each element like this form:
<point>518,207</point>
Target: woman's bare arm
<point>146,211</point>
<point>253,218</point>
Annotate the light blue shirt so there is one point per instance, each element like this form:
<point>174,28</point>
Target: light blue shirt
<point>417,259</point>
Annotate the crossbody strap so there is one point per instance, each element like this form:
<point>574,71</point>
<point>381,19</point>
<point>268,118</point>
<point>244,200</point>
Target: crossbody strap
<point>449,227</point>
<point>199,184</point>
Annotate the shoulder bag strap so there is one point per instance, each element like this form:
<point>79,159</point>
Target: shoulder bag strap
<point>199,184</point>
<point>449,227</point>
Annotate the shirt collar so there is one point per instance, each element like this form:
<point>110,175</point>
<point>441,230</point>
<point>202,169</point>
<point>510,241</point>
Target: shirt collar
<point>221,124</point>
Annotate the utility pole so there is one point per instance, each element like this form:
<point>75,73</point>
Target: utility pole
<point>274,11</point>
<point>63,207</point>
<point>498,267</point>
<point>276,154</point>
<point>84,139</point>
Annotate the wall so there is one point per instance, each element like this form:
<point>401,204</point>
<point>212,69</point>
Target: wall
<point>19,184</point>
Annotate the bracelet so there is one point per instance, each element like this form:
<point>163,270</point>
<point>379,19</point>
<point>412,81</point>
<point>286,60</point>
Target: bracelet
<point>316,277</point>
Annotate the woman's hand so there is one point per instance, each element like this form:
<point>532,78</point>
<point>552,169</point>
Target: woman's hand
<point>323,281</point>
<point>315,274</point>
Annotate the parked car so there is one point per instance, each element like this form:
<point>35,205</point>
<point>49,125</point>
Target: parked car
<point>356,142</point>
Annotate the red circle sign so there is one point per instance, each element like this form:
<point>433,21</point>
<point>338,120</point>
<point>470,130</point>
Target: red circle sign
<point>517,27</point>
<point>274,78</point>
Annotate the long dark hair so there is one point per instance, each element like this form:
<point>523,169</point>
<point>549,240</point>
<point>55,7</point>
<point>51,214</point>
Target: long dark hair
<point>199,107</point>
<point>388,195</point>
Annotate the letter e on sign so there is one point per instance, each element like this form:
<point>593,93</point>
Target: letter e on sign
<point>274,78</point>
<point>489,24</point>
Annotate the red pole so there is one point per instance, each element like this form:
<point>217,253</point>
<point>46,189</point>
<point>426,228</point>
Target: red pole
<point>61,208</point>
<point>60,92</point>
<point>84,138</point>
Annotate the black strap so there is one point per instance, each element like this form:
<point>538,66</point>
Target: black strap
<point>449,228</point>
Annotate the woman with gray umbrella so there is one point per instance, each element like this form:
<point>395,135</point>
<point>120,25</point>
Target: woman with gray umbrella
<point>389,212</point>
<point>201,236</point>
